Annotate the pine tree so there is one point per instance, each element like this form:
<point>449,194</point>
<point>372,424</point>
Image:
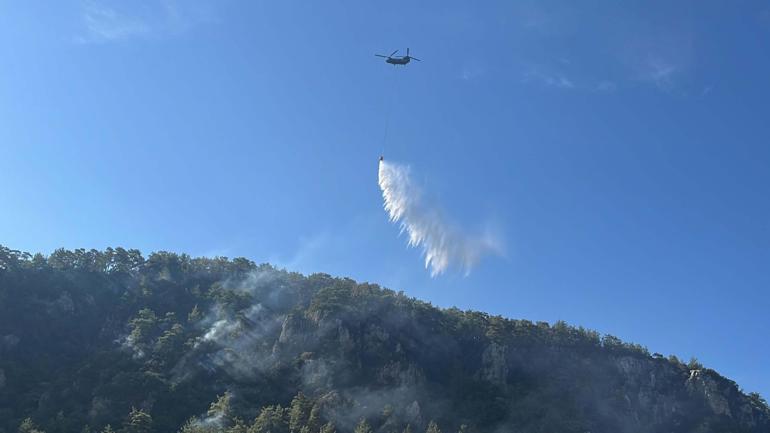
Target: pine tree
<point>694,364</point>
<point>138,421</point>
<point>221,409</point>
<point>433,428</point>
<point>271,419</point>
<point>27,426</point>
<point>328,428</point>
<point>195,315</point>
<point>299,412</point>
<point>314,419</point>
<point>408,429</point>
<point>363,427</point>
<point>192,426</point>
<point>238,426</point>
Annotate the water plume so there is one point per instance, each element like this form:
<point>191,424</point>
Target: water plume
<point>443,245</point>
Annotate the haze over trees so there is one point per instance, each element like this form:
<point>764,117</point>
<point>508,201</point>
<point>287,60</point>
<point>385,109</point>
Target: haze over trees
<point>111,341</point>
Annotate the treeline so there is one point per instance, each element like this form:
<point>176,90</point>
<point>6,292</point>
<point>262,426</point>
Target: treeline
<point>302,416</point>
<point>119,261</point>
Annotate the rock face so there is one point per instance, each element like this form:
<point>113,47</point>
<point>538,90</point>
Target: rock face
<point>648,394</point>
<point>413,413</point>
<point>494,365</point>
<point>701,385</point>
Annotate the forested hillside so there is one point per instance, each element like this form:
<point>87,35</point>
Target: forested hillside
<point>99,341</point>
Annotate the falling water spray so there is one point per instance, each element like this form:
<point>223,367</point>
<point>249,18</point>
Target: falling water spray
<point>443,245</point>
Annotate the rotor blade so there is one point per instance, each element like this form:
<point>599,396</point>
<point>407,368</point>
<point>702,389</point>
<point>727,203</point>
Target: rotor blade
<point>393,53</point>
<point>415,58</point>
<point>380,55</point>
<point>407,51</point>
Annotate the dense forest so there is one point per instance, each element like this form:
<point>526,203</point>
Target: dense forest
<point>111,341</point>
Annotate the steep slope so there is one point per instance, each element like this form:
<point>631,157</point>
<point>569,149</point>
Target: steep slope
<point>90,338</point>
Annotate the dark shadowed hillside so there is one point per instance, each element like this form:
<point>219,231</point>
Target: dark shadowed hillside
<point>95,341</point>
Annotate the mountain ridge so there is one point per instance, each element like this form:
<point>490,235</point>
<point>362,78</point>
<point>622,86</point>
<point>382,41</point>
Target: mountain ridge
<point>94,338</point>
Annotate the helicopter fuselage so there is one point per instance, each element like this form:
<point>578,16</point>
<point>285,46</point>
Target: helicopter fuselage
<point>397,60</point>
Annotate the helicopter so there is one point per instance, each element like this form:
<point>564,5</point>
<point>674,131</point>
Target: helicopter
<point>398,60</point>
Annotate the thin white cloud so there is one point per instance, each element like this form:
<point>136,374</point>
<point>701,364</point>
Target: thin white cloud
<point>108,20</point>
<point>549,79</point>
<point>558,52</point>
<point>103,23</point>
<point>662,57</point>
<point>659,71</point>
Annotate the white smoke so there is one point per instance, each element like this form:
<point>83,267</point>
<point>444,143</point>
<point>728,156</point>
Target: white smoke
<point>442,244</point>
<point>229,328</point>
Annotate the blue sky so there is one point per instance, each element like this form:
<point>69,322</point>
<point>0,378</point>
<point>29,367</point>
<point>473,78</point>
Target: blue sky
<point>621,149</point>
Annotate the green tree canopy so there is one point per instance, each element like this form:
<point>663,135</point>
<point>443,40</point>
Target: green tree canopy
<point>28,426</point>
<point>363,427</point>
<point>138,421</point>
<point>433,428</point>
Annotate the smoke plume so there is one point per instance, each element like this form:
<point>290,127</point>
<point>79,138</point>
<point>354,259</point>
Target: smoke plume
<point>442,244</point>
